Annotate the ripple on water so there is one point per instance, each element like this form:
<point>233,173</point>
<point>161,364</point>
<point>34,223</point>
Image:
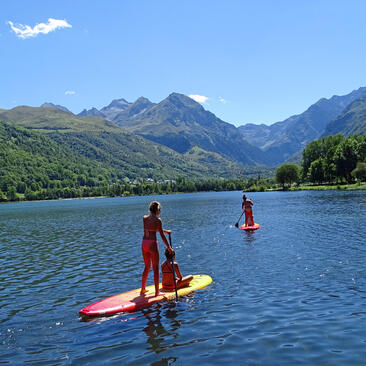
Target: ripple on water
<point>292,292</point>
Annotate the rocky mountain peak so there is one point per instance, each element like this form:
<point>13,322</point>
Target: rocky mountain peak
<point>51,105</point>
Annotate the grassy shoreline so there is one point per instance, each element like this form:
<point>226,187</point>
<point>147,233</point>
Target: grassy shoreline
<point>301,187</point>
<point>345,187</point>
<point>324,187</point>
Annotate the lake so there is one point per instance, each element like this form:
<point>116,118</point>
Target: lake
<point>291,293</point>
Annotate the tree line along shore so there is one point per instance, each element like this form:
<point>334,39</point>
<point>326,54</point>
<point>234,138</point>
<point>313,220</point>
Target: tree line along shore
<point>332,162</point>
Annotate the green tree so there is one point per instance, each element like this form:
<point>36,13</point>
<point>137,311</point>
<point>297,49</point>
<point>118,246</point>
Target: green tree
<point>316,171</point>
<point>287,174</point>
<point>21,187</point>
<point>12,194</point>
<point>2,196</point>
<point>312,152</point>
<point>346,157</point>
<point>324,149</point>
<point>29,195</point>
<point>360,172</point>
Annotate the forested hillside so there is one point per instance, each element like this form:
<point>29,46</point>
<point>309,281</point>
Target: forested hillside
<point>51,164</point>
<point>31,162</point>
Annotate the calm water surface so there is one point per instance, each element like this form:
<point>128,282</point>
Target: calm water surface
<point>291,293</point>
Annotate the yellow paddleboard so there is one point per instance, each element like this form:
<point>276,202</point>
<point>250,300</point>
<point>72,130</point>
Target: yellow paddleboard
<point>132,300</point>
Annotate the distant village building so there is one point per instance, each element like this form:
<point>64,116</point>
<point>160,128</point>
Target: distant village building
<point>150,180</point>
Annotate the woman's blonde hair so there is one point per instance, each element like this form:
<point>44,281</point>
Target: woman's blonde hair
<point>154,207</point>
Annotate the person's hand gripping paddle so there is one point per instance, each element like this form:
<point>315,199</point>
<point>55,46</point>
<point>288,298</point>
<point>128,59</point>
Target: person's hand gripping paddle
<point>173,269</point>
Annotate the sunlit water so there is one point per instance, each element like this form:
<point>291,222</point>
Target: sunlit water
<point>291,293</point>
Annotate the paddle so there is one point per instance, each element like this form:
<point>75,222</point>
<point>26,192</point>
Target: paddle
<point>175,281</point>
<point>237,224</point>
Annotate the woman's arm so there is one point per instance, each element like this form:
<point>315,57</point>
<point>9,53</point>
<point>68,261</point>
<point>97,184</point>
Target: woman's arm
<point>163,237</point>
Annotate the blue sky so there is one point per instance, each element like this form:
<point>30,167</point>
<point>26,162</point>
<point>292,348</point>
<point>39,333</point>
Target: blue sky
<point>250,61</point>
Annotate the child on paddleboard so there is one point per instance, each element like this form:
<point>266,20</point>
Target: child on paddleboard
<point>167,270</point>
<point>150,250</point>
<point>247,208</point>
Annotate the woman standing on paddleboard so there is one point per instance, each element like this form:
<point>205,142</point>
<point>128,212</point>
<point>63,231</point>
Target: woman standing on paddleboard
<point>247,207</point>
<point>150,249</point>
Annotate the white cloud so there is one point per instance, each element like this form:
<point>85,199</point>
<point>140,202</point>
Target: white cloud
<point>70,92</point>
<point>25,31</point>
<point>198,98</point>
<point>222,100</point>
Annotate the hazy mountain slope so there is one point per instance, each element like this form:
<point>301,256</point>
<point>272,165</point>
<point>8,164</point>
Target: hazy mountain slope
<point>351,121</point>
<point>181,123</point>
<point>283,139</point>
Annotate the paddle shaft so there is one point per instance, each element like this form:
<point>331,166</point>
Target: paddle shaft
<point>175,281</point>
<point>239,219</point>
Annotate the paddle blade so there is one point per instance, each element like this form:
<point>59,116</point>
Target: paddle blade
<point>237,225</point>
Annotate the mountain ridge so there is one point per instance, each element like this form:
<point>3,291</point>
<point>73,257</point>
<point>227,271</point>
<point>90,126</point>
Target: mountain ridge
<point>351,121</point>
<point>108,112</point>
<point>184,126</point>
<point>283,139</point>
<point>181,123</point>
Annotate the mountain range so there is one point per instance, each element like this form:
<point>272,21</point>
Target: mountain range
<point>178,137</point>
<point>283,139</point>
<point>181,124</point>
<point>122,152</point>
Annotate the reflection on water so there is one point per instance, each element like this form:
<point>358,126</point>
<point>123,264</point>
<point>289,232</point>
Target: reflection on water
<point>155,331</point>
<point>249,236</point>
<point>292,292</point>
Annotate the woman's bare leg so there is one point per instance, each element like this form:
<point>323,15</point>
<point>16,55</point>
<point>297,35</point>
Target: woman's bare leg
<point>251,220</point>
<point>145,273</point>
<point>155,265</point>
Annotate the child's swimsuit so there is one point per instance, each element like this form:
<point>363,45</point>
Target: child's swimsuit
<point>168,287</point>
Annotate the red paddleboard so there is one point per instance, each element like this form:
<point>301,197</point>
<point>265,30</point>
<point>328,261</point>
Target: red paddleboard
<point>254,227</point>
<point>132,300</point>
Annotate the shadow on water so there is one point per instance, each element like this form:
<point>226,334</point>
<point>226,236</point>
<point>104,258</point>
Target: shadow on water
<point>155,330</point>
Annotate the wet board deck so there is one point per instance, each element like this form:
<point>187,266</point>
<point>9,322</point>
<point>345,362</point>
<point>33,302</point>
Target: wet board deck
<point>254,227</point>
<point>132,300</point>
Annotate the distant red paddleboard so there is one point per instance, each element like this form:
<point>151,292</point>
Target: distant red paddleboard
<point>254,227</point>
